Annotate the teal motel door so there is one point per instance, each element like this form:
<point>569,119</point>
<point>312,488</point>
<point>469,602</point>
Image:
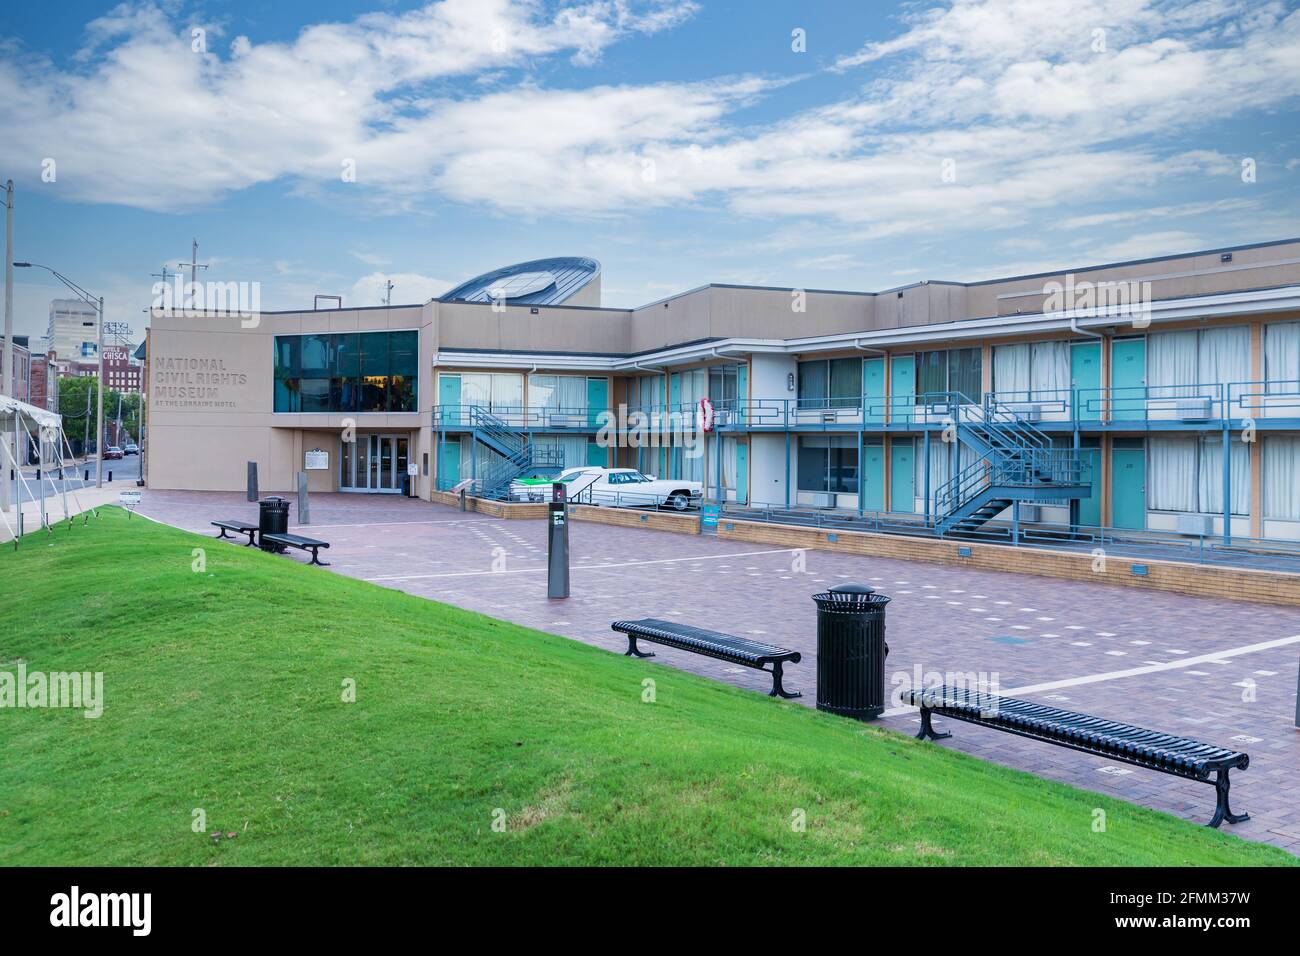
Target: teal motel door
<point>1090,507</point>
<point>1085,378</point>
<point>597,400</point>
<point>873,389</point>
<point>742,393</point>
<point>902,386</point>
<point>742,473</point>
<point>873,477</point>
<point>1128,488</point>
<point>449,464</point>
<point>902,476</point>
<point>449,397</point>
<point>1128,379</point>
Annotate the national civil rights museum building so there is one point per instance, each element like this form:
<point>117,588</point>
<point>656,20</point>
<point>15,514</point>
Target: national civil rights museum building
<point>1153,395</point>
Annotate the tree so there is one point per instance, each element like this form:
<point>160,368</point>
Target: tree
<point>77,398</point>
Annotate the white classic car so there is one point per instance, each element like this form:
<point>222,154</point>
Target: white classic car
<point>623,488</point>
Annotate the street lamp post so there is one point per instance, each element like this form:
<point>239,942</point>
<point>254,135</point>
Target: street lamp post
<point>98,303</point>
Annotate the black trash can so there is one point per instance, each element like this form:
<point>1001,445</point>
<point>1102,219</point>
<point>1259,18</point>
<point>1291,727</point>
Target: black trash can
<point>851,651</point>
<point>272,518</point>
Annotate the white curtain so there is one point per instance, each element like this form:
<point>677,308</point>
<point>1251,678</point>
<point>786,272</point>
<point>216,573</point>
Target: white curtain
<point>476,388</point>
<point>1224,355</point>
<point>1050,370</point>
<point>553,392</point>
<point>1011,372</point>
<point>1171,360</point>
<point>1172,485</point>
<point>728,463</point>
<point>1210,481</point>
<point>1282,477</point>
<point>1282,356</point>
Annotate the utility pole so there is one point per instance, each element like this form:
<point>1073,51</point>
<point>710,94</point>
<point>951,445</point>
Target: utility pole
<point>6,369</point>
<point>195,266</point>
<point>388,293</point>
<point>99,403</point>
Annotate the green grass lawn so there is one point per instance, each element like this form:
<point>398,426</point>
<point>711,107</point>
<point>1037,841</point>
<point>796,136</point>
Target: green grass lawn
<point>223,691</point>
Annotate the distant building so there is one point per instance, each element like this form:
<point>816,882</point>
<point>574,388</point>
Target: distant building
<point>44,388</point>
<point>121,371</point>
<point>17,382</point>
<point>72,331</point>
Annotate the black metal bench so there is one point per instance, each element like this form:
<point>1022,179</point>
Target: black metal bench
<point>723,647</point>
<point>1179,756</point>
<point>243,527</point>
<point>298,541</point>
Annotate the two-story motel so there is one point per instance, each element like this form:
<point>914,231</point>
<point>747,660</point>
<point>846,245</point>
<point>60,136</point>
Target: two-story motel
<point>1169,387</point>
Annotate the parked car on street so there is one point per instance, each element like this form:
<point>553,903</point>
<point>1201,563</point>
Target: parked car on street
<point>112,452</point>
<point>629,488</point>
<point>130,448</point>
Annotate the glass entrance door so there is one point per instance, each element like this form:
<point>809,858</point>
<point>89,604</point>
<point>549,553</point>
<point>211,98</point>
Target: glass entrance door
<point>374,463</point>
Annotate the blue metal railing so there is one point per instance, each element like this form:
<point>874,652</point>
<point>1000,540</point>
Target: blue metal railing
<point>1116,543</point>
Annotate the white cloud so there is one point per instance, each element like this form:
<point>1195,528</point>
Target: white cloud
<point>1036,113</point>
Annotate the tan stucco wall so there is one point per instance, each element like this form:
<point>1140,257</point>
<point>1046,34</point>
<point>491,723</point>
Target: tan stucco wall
<point>201,437</point>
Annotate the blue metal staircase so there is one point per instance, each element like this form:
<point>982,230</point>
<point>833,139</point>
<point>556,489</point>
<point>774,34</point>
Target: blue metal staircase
<point>514,455</point>
<point>1015,461</point>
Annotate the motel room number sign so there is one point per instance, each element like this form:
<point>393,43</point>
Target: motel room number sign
<point>318,459</point>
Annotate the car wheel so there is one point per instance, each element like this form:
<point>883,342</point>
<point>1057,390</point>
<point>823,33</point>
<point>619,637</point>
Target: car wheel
<point>679,501</point>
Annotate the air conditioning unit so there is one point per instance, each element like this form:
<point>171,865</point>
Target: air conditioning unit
<point>822,499</point>
<point>1195,524</point>
<point>564,421</point>
<point>829,418</point>
<point>1193,409</point>
<point>1031,512</point>
<point>1029,411</point>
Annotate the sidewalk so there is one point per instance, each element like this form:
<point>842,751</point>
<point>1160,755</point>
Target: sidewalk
<point>81,500</point>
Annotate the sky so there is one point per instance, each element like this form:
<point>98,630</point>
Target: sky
<point>329,146</point>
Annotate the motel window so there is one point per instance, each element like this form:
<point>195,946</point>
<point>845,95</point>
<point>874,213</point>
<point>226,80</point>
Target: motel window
<point>828,463</point>
<point>951,370</point>
<point>1281,481</point>
<point>1186,475</point>
<point>1029,372</point>
<point>722,385</point>
<point>1177,361</point>
<point>558,393</point>
<point>346,372</point>
<point>830,383</point>
<point>1282,357</point>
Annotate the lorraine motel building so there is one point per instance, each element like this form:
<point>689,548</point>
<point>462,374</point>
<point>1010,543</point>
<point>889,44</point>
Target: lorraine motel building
<point>1157,395</point>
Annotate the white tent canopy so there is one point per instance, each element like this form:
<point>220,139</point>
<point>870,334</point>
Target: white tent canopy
<point>11,408</point>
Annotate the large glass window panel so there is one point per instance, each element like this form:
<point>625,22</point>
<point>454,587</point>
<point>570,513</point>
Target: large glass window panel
<point>1011,372</point>
<point>287,372</point>
<point>403,352</point>
<point>315,355</point>
<point>931,372</point>
<point>965,373</point>
<point>314,395</point>
<point>401,393</point>
<point>814,384</point>
<point>812,467</point>
<point>1223,355</point>
<point>1210,476</point>
<point>846,382</point>
<point>1049,372</point>
<point>1282,477</point>
<point>1172,479</point>
<point>1282,356</point>
<point>844,466</point>
<point>1172,367</point>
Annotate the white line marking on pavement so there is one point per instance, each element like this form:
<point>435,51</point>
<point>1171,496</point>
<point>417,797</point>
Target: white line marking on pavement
<point>1132,671</point>
<point>583,567</point>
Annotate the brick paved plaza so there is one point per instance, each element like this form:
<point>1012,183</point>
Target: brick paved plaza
<point>1038,635</point>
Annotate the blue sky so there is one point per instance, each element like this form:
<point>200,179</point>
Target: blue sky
<point>677,141</point>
